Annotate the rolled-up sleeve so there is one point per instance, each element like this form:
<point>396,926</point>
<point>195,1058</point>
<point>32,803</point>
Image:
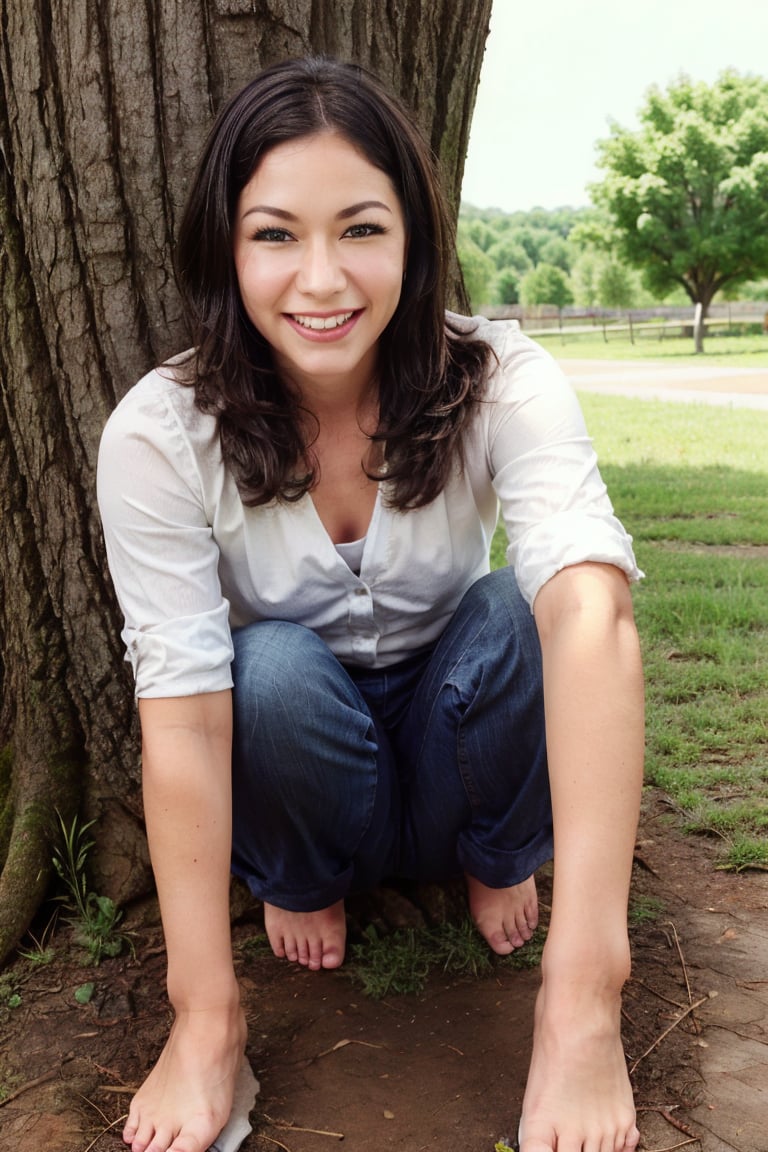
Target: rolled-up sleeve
<point>553,501</point>
<point>162,555</point>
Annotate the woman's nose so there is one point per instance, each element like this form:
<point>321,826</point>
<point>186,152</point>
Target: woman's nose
<point>320,272</point>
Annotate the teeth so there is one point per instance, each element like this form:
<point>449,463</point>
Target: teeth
<point>323,323</point>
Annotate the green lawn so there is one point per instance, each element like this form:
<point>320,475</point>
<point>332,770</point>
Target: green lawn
<point>690,482</point>
<point>727,351</point>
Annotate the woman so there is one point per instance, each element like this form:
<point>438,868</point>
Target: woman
<point>298,516</point>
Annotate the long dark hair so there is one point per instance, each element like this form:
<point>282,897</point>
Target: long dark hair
<point>429,375</point>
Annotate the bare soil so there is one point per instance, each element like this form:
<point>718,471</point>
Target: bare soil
<point>443,1070</point>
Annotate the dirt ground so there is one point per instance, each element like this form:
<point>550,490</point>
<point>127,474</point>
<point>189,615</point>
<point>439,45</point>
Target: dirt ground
<point>443,1070</point>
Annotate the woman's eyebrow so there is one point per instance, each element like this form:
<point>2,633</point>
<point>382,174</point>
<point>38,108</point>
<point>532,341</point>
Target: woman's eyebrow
<point>269,211</point>
<point>344,214</point>
<point>363,206</point>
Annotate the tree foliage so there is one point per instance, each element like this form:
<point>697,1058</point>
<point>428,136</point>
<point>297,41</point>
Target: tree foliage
<point>546,284</point>
<point>687,193</point>
<point>477,269</point>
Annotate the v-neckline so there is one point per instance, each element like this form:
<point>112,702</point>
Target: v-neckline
<point>367,535</point>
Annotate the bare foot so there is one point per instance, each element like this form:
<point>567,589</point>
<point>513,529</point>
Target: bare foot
<point>314,939</point>
<point>506,917</point>
<point>186,1100</point>
<point>578,1093</point>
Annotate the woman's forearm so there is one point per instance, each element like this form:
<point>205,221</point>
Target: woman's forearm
<point>594,713</point>
<point>187,798</point>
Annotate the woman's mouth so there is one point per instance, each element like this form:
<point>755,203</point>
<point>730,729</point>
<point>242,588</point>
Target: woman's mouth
<point>328,329</point>
<point>322,323</point>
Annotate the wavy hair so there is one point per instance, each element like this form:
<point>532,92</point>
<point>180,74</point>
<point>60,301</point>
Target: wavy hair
<point>430,375</point>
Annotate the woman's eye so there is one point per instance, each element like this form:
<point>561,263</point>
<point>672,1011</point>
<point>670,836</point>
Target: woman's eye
<point>272,235</point>
<point>360,231</point>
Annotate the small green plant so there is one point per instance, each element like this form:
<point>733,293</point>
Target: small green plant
<point>399,963</point>
<point>746,852</point>
<point>94,918</point>
<point>644,909</point>
<point>9,992</point>
<point>40,952</point>
<point>9,1082</point>
<point>254,947</point>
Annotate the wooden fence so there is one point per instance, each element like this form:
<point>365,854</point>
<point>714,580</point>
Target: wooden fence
<point>636,323</point>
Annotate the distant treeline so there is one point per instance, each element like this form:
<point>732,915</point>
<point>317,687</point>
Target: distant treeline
<point>558,256</point>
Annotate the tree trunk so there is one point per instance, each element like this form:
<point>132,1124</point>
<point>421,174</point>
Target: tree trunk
<point>105,107</point>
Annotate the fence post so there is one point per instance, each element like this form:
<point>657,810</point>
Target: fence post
<point>631,329</point>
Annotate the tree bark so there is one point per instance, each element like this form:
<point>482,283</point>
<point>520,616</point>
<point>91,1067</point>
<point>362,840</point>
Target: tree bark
<point>105,107</point>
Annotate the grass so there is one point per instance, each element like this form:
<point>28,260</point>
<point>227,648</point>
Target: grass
<point>400,963</point>
<point>691,484</point>
<point>643,909</point>
<point>738,351</point>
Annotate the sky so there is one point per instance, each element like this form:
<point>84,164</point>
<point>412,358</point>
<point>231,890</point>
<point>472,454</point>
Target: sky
<point>557,72</point>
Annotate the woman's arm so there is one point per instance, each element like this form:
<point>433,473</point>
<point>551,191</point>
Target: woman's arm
<point>593,699</point>
<point>578,1088</point>
<point>187,772</point>
<point>186,1100</point>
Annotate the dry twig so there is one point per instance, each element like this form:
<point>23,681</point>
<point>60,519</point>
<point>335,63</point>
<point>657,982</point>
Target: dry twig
<point>673,1147</point>
<point>694,1021</point>
<point>290,1126</point>
<point>670,1119</point>
<point>28,1086</point>
<point>104,1131</point>
<point>666,1032</point>
<point>271,1140</point>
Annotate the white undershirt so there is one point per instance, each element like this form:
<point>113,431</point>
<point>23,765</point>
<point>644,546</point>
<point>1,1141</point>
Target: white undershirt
<point>352,554</point>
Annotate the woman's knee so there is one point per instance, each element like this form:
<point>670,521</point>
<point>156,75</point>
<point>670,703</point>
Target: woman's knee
<point>276,662</point>
<point>500,618</point>
<point>292,698</point>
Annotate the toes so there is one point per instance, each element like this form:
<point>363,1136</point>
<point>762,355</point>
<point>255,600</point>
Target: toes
<point>315,955</point>
<point>332,958</point>
<point>143,1134</point>
<point>161,1142</point>
<point>499,940</point>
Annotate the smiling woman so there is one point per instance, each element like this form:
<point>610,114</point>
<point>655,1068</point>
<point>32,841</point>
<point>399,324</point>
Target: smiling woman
<point>333,687</point>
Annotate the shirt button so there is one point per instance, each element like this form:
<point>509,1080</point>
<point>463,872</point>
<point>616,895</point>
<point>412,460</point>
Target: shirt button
<point>361,592</point>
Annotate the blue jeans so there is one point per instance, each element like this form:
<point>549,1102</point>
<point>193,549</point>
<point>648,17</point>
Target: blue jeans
<point>345,776</point>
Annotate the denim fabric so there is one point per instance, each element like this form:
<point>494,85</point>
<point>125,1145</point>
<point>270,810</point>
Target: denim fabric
<point>343,776</point>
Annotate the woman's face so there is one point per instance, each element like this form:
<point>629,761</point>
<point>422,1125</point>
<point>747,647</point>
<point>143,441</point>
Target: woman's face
<point>319,250</point>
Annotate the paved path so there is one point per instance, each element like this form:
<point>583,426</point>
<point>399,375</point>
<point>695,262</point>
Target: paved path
<point>657,380</point>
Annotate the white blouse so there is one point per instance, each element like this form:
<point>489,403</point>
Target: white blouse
<point>190,561</point>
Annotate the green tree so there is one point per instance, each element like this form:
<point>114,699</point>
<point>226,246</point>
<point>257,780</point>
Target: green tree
<point>477,270</point>
<point>584,279</point>
<point>505,253</point>
<point>532,240</point>
<point>556,251</point>
<point>506,286</point>
<point>546,284</point>
<point>481,234</point>
<point>615,285</point>
<point>687,193</point>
